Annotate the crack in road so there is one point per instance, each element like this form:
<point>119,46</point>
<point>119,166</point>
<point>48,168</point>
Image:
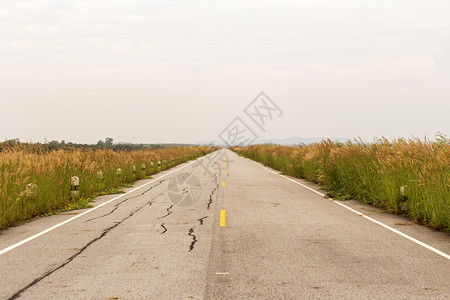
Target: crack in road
<point>201,220</point>
<point>70,259</point>
<point>213,191</point>
<point>121,202</point>
<point>211,196</point>
<point>194,239</point>
<point>116,224</point>
<point>165,229</point>
<point>106,231</point>
<point>169,212</point>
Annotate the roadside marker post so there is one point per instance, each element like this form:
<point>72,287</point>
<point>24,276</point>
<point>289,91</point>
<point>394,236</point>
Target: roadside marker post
<point>100,175</point>
<point>31,189</point>
<point>74,186</point>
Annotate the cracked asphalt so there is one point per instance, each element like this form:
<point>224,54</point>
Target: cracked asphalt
<point>281,241</point>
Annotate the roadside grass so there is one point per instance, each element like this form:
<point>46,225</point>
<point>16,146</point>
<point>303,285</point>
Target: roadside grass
<point>35,183</point>
<point>403,176</point>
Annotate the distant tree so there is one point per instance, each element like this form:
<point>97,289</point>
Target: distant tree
<point>53,145</point>
<point>100,144</point>
<point>109,142</point>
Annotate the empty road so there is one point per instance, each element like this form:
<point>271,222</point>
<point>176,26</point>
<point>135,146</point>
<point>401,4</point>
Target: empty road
<point>280,240</point>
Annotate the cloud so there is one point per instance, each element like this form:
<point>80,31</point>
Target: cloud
<point>214,55</point>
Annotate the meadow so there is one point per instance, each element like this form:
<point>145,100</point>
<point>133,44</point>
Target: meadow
<point>402,176</point>
<point>35,182</point>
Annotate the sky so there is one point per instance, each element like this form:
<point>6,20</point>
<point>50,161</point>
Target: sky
<point>182,71</point>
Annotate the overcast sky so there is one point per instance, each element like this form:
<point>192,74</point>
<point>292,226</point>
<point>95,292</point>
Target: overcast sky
<point>181,71</point>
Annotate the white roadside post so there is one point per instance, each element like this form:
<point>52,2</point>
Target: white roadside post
<point>74,186</point>
<point>403,190</point>
<point>134,169</point>
<point>31,189</point>
<point>100,179</point>
<point>119,172</point>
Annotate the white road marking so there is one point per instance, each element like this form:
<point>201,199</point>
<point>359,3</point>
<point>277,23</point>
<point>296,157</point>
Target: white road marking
<point>86,212</point>
<point>362,215</point>
<point>222,273</point>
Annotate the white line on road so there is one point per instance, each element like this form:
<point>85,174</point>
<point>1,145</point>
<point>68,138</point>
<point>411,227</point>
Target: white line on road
<point>222,273</point>
<point>88,211</point>
<point>362,215</point>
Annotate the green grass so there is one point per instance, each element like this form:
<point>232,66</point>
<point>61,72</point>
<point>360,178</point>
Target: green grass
<point>51,171</point>
<point>372,173</point>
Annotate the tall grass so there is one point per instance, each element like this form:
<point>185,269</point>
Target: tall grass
<point>34,182</point>
<point>372,173</point>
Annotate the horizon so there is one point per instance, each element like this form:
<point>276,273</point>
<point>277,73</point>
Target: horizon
<point>284,141</point>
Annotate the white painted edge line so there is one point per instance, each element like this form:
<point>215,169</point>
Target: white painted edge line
<point>88,211</point>
<point>362,215</point>
<point>222,273</point>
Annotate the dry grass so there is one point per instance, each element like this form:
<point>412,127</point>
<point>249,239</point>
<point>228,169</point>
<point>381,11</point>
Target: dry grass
<point>50,172</point>
<point>373,173</point>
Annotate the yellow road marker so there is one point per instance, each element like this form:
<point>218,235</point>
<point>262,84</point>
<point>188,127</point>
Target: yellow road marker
<point>223,171</point>
<point>222,218</point>
<point>223,183</point>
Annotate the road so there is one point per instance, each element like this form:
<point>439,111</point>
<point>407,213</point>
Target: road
<point>281,240</point>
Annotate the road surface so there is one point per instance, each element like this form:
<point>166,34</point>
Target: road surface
<point>281,240</point>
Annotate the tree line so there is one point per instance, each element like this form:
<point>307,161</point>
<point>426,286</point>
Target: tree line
<point>54,145</point>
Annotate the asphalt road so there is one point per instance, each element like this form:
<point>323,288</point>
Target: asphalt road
<point>281,241</point>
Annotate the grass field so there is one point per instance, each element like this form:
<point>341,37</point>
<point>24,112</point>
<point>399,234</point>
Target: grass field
<point>410,177</point>
<point>34,183</point>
